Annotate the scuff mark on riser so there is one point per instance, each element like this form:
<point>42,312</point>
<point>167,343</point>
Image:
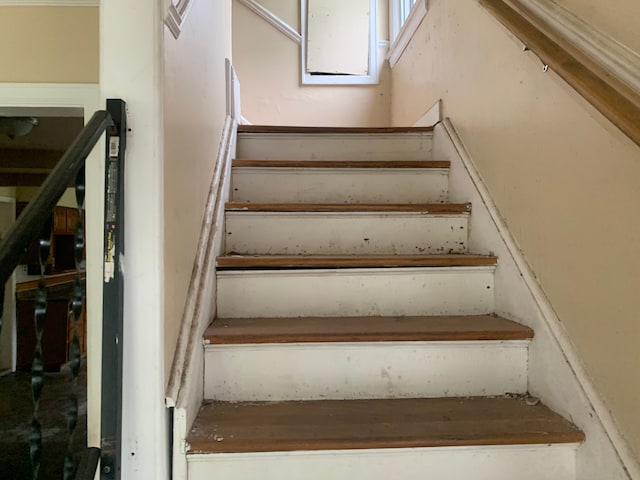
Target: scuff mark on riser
<point>356,291</point>
<point>529,462</point>
<point>345,233</point>
<point>306,185</point>
<point>408,146</point>
<point>312,371</point>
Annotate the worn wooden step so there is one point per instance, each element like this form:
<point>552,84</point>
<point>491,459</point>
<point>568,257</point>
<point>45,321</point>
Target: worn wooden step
<point>349,261</point>
<point>230,331</point>
<point>330,229</point>
<point>376,424</point>
<point>364,181</point>
<point>363,164</point>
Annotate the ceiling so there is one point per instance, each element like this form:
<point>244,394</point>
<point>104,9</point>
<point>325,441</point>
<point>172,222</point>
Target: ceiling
<point>26,161</point>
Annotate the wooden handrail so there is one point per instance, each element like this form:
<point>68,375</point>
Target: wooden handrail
<point>608,94</point>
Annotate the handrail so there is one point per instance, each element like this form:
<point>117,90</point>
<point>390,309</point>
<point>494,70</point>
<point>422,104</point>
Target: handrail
<point>36,213</point>
<point>88,464</point>
<point>619,103</point>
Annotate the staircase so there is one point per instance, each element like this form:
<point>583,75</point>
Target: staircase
<point>355,336</point>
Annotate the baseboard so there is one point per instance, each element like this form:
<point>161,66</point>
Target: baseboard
<point>568,389</point>
<point>186,385</point>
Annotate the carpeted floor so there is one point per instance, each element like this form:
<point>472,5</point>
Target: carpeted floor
<point>16,410</point>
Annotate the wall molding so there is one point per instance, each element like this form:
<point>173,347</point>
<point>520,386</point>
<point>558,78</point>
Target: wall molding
<point>622,61</point>
<point>273,20</point>
<point>49,3</point>
<point>177,15</point>
<point>418,12</point>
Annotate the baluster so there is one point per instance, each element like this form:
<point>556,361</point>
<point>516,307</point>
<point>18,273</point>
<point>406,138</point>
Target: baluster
<point>75,359</point>
<point>37,368</point>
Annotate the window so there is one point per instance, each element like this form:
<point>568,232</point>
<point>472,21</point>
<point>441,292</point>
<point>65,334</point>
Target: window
<point>405,16</point>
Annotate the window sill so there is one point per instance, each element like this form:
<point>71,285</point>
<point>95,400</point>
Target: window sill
<point>407,31</point>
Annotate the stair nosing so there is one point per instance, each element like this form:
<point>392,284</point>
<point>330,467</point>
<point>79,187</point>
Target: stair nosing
<point>223,331</point>
<point>353,261</point>
<point>344,164</point>
<point>329,130</point>
<point>424,208</point>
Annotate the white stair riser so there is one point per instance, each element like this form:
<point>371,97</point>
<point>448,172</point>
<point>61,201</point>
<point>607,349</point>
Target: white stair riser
<point>323,185</point>
<point>345,233</point>
<point>355,292</point>
<point>316,371</point>
<point>530,462</point>
<point>407,146</point>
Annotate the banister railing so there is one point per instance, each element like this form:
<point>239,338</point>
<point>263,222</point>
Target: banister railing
<point>36,213</point>
<point>599,86</point>
<point>35,224</point>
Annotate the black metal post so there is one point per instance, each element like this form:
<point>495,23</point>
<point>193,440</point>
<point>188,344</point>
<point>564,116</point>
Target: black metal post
<point>113,288</point>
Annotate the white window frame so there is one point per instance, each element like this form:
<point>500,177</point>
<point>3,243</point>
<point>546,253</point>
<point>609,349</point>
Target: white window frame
<point>370,79</point>
<point>404,20</point>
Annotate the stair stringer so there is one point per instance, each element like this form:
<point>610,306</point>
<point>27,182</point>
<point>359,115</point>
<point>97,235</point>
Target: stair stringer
<point>185,389</point>
<point>519,297</point>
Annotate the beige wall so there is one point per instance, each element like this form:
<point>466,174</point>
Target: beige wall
<point>268,65</point>
<point>49,44</point>
<point>194,113</point>
<point>26,194</point>
<point>562,176</point>
<point>619,19</point>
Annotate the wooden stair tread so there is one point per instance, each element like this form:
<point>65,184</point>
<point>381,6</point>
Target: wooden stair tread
<point>296,129</point>
<point>358,424</point>
<point>353,261</point>
<point>229,331</point>
<point>342,164</point>
<point>433,208</point>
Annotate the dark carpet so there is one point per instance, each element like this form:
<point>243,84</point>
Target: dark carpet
<point>16,410</point>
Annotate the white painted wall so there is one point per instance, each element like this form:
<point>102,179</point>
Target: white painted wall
<point>561,175</point>
<point>194,114</point>
<point>131,68</point>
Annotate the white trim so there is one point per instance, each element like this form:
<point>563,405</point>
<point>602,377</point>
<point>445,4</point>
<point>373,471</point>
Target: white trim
<point>407,31</point>
<point>273,20</point>
<point>176,16</point>
<point>432,116</point>
<point>59,95</point>
<point>49,3</point>
<point>232,91</point>
<point>370,79</point>
<point>619,59</point>
<point>551,321</point>
<point>186,384</point>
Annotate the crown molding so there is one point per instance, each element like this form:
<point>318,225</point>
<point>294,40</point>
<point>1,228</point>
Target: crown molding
<point>280,25</point>
<point>49,3</point>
